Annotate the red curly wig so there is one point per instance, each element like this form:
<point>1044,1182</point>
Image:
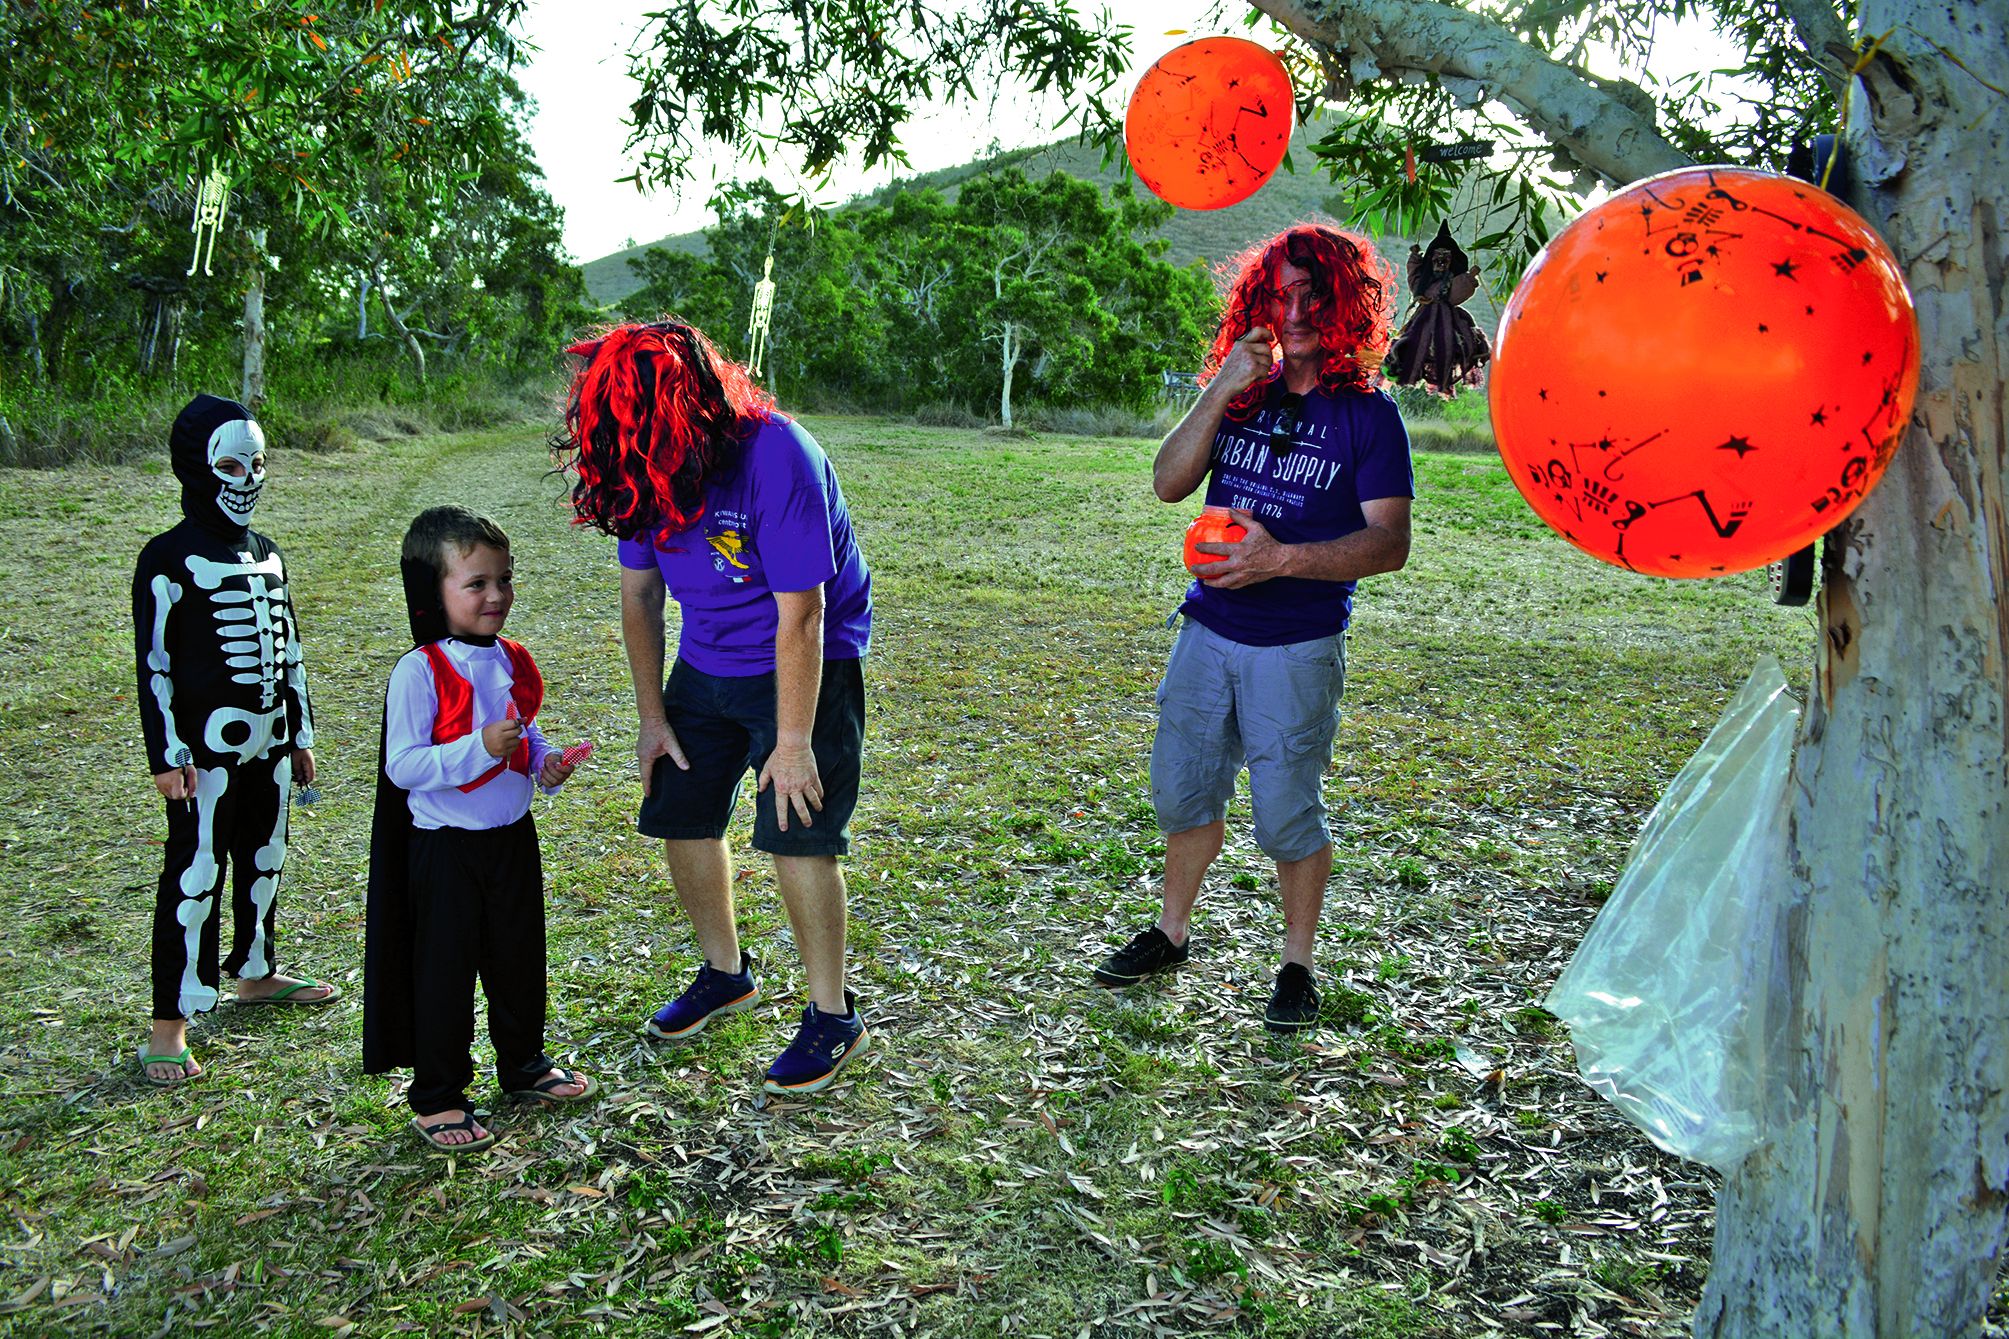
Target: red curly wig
<point>1353,323</point>
<point>653,414</point>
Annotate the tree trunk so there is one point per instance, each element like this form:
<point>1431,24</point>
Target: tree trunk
<point>362,307</point>
<point>253,395</point>
<point>1882,1212</point>
<point>1010,362</point>
<point>398,328</point>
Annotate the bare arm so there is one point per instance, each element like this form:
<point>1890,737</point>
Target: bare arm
<point>642,595</point>
<point>1382,545</point>
<point>1188,449</point>
<point>798,677</point>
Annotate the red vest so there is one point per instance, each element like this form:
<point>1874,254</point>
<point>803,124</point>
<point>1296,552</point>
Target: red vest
<point>456,704</point>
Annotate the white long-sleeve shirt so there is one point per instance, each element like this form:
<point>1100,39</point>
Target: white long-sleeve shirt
<point>433,773</point>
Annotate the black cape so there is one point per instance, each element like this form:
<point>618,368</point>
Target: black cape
<point>389,1039</point>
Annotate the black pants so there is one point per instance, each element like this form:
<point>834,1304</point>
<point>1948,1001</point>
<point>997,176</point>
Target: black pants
<point>235,825</point>
<point>477,909</point>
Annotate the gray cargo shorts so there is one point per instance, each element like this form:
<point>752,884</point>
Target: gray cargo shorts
<point>1276,708</point>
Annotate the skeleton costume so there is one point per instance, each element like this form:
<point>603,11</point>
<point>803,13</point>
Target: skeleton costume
<point>456,887</point>
<point>222,688</point>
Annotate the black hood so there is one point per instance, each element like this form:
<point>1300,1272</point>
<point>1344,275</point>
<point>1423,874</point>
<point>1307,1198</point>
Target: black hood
<point>188,447</point>
<point>422,602</point>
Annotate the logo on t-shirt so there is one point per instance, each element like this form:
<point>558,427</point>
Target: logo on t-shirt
<point>729,545</point>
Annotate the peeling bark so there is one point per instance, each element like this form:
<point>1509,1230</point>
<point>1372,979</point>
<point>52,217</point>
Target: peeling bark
<point>1884,1211</point>
<point>252,392</point>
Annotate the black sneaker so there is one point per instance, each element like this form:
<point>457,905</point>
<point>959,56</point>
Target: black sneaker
<point>1294,1003</point>
<point>1146,955</point>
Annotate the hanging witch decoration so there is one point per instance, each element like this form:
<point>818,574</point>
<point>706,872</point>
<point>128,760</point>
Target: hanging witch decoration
<point>1440,347</point>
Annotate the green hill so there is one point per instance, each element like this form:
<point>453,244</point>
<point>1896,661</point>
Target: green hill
<point>1210,236</point>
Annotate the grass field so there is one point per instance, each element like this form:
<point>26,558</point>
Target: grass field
<point>1024,1154</point>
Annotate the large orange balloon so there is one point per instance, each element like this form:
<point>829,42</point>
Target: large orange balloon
<point>1705,372</point>
<point>1209,122</point>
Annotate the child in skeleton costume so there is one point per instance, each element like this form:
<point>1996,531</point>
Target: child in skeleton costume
<point>456,886</point>
<point>224,711</point>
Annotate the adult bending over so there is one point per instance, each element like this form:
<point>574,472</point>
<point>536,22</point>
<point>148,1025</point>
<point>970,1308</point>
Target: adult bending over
<point>1291,434</point>
<point>721,502</point>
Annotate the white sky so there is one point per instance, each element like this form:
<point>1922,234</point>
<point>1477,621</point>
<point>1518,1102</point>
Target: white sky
<point>580,81</point>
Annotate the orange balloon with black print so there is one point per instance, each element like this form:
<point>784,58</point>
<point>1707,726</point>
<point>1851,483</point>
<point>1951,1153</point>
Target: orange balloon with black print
<point>1212,526</point>
<point>1209,122</point>
<point>1705,372</point>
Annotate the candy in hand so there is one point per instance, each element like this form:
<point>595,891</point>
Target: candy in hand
<point>577,754</point>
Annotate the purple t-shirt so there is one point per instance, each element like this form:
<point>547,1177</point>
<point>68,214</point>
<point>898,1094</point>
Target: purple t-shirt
<point>777,524</point>
<point>1349,448</point>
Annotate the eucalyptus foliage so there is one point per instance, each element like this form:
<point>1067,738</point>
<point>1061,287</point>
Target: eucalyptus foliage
<point>375,145</point>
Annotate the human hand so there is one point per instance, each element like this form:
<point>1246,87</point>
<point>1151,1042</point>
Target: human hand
<point>303,767</point>
<point>656,740</point>
<point>554,773</point>
<point>1249,360</point>
<point>1256,556</point>
<point>177,783</point>
<point>500,739</point>
<point>792,770</point>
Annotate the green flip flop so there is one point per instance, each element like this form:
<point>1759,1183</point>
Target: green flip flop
<point>286,996</point>
<point>181,1058</point>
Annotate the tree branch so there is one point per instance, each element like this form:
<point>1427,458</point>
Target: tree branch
<point>1380,38</point>
<point>1820,30</point>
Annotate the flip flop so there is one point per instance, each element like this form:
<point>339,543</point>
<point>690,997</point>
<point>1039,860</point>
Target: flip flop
<point>182,1058</point>
<point>542,1092</point>
<point>286,996</point>
<point>467,1122</point>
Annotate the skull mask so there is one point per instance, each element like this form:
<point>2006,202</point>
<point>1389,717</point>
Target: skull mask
<point>218,452</point>
<point>237,459</point>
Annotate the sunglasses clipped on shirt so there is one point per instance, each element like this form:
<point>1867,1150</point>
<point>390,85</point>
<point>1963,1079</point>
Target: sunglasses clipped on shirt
<point>1283,428</point>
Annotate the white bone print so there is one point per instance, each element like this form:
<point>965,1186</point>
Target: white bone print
<point>254,637</point>
<point>197,880</point>
<point>269,859</point>
<point>165,593</point>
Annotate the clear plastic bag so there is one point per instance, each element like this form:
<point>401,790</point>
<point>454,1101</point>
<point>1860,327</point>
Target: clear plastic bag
<point>1673,997</point>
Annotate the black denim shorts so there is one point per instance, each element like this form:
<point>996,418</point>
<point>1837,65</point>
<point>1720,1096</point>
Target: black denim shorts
<point>726,727</point>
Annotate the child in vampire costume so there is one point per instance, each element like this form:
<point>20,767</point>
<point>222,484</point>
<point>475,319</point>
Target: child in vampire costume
<point>224,713</point>
<point>456,885</point>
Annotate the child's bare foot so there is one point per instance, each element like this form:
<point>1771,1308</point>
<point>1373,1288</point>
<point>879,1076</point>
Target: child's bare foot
<point>557,1086</point>
<point>455,1130</point>
<point>571,1086</point>
<point>165,1058</point>
<point>277,989</point>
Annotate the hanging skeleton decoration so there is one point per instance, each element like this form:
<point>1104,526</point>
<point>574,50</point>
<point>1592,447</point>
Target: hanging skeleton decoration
<point>1439,346</point>
<point>222,695</point>
<point>212,201</point>
<point>763,316</point>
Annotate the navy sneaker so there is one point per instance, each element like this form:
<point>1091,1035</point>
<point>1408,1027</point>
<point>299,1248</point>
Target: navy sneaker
<point>1147,954</point>
<point>1293,1004</point>
<point>712,995</point>
<point>820,1050</point>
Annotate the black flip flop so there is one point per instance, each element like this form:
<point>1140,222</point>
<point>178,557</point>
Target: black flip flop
<point>467,1122</point>
<point>542,1092</point>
